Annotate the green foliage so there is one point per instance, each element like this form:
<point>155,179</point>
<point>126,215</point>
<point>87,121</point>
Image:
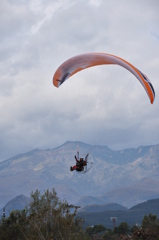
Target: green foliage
<point>149,221</point>
<point>14,226</point>
<point>109,235</point>
<point>48,218</point>
<point>149,228</point>
<point>123,228</point>
<point>95,229</point>
<point>45,218</point>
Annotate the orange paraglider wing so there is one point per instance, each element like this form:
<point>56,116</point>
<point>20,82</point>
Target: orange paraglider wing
<point>86,60</point>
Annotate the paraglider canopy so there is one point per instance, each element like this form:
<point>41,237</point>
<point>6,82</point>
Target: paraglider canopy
<point>86,60</point>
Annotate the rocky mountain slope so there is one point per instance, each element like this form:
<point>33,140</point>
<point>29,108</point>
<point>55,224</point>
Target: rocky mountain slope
<point>126,177</point>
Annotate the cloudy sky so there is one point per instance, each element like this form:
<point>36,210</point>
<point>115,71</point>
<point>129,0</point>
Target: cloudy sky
<point>104,105</point>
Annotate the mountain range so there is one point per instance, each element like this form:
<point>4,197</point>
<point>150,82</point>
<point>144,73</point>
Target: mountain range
<point>132,216</point>
<point>127,177</point>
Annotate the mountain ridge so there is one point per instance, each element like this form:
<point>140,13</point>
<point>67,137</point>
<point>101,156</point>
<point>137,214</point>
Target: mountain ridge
<point>112,172</point>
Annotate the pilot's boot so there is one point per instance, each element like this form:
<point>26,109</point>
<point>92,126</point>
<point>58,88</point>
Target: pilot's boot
<point>71,169</point>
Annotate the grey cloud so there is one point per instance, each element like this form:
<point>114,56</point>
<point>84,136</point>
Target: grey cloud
<point>105,105</point>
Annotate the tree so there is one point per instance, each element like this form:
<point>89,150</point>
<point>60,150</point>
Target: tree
<point>96,229</point>
<point>109,235</point>
<point>149,228</point>
<point>52,218</point>
<point>149,221</point>
<point>14,227</point>
<point>123,228</point>
<point>45,218</point>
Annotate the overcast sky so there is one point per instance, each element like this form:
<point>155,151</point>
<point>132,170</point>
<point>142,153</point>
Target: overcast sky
<point>104,105</point>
